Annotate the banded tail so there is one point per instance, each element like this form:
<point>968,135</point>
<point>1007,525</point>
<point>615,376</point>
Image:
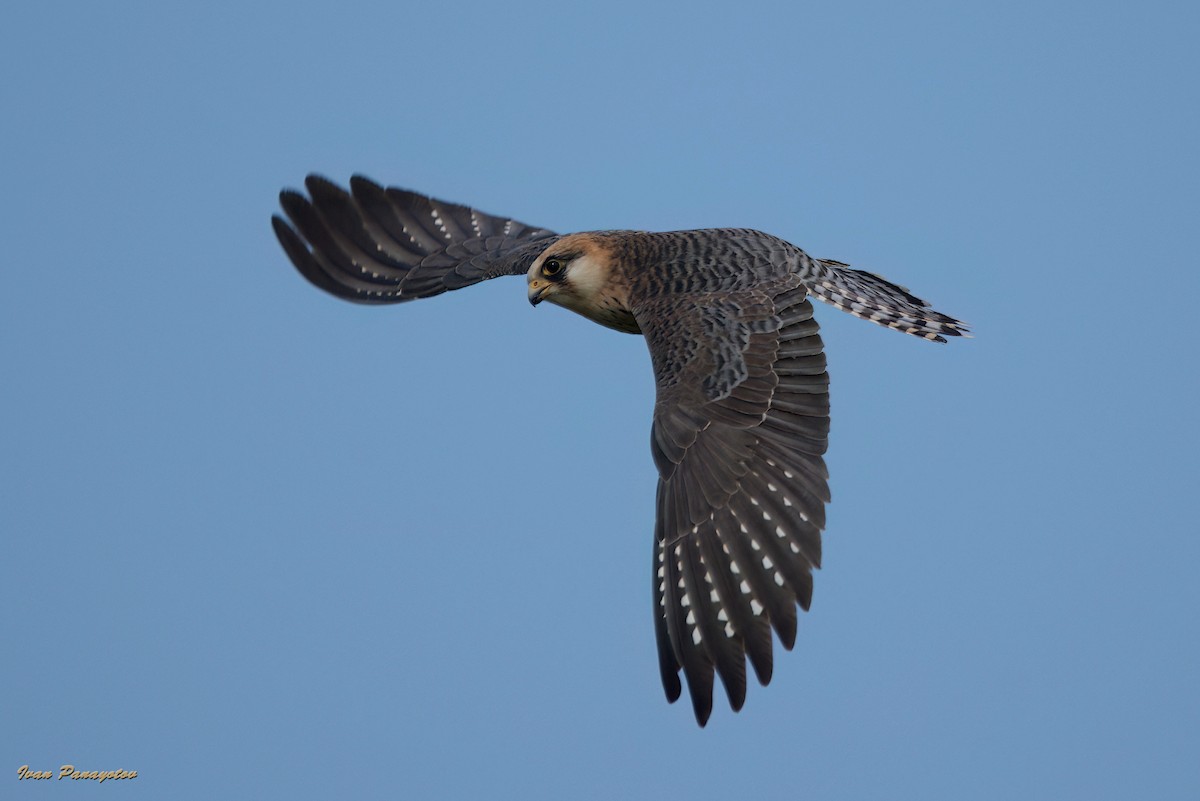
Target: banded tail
<point>878,300</point>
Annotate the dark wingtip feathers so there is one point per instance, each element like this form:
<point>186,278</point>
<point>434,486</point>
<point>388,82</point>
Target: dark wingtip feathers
<point>375,245</point>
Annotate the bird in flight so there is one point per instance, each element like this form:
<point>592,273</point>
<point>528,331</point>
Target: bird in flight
<point>741,416</point>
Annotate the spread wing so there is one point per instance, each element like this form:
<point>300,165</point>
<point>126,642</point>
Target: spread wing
<point>376,245</point>
<point>740,425</point>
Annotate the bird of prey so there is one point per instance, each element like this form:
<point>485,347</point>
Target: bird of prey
<point>741,416</point>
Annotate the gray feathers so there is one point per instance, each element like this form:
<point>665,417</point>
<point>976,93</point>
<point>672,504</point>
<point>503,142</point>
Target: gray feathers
<point>878,300</point>
<point>741,417</point>
<point>376,245</point>
<point>738,442</point>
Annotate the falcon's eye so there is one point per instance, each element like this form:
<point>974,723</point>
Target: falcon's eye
<point>552,267</point>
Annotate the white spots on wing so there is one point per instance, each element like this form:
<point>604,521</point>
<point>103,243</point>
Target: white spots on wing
<point>721,616</point>
<point>754,544</point>
<point>766,516</point>
<point>685,600</point>
<point>778,578</point>
<point>437,219</point>
<point>744,531</point>
<point>788,474</point>
<point>795,547</point>
<point>508,224</point>
<point>754,501</point>
<point>744,587</point>
<point>756,607</point>
<point>475,222</point>
<point>662,577</point>
<point>767,563</point>
<point>708,579</point>
<point>772,487</point>
<point>725,548</point>
<point>729,630</point>
<point>779,532</point>
<point>734,569</point>
<point>787,501</point>
<point>679,569</point>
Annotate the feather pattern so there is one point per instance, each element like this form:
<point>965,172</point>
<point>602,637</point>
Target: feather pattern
<point>741,416</point>
<point>376,245</point>
<point>742,481</point>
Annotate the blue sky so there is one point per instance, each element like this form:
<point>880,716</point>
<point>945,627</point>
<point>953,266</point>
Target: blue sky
<point>262,543</point>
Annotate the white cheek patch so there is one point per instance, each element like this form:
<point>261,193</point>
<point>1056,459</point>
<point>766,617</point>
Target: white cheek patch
<point>587,276</point>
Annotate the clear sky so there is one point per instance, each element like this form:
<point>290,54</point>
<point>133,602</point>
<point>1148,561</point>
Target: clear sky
<point>261,543</point>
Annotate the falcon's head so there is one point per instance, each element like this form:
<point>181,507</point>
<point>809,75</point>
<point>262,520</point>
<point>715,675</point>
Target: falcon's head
<point>578,273</point>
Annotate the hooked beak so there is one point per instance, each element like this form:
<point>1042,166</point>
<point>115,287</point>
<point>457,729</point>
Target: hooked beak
<point>537,291</point>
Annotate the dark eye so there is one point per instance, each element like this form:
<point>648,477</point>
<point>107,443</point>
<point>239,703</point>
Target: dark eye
<point>552,267</point>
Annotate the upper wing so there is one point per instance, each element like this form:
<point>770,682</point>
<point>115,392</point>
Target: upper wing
<point>376,245</point>
<point>740,425</point>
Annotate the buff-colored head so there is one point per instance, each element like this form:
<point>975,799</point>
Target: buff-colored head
<point>570,273</point>
<point>578,272</point>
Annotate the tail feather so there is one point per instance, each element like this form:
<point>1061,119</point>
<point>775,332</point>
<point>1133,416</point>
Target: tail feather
<point>878,300</point>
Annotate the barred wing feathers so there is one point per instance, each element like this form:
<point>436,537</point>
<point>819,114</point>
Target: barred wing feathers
<point>740,425</point>
<point>376,245</point>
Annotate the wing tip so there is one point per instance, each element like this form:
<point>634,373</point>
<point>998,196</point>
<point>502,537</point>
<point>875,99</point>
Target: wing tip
<point>672,686</point>
<point>702,702</point>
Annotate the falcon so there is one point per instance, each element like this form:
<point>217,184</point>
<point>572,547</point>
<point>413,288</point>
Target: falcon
<point>741,416</point>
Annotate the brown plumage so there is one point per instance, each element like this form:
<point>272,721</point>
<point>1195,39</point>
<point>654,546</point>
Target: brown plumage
<point>741,418</point>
